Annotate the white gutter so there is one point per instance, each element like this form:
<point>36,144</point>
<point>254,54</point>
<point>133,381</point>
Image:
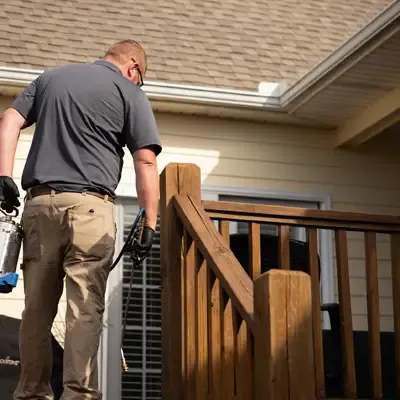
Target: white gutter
<point>373,28</point>
<point>209,95</point>
<point>15,77</point>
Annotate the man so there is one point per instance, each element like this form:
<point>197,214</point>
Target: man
<point>84,114</point>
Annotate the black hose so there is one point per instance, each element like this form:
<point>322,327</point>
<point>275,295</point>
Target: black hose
<point>128,247</point>
<point>135,264</point>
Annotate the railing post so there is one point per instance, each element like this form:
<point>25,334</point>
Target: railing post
<point>284,362</point>
<point>175,179</point>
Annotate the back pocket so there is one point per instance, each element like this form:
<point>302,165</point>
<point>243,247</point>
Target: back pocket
<point>92,233</point>
<point>32,249</point>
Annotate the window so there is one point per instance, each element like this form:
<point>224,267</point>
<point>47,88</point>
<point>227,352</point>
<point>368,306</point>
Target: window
<point>142,340</point>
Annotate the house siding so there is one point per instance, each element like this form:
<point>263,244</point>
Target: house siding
<point>274,158</point>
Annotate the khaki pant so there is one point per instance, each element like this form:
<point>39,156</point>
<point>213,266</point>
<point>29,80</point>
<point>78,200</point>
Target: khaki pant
<point>69,235</point>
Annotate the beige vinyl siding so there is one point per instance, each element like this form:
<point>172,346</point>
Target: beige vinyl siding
<point>276,158</point>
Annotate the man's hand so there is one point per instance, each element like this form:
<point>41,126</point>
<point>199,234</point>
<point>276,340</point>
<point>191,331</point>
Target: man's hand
<point>9,194</point>
<point>142,247</point>
<point>6,288</point>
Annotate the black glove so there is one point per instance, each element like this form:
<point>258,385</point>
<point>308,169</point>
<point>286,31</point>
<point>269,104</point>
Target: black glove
<point>9,194</point>
<point>142,248</point>
<point>6,288</point>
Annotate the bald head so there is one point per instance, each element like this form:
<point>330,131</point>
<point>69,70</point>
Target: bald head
<point>122,52</point>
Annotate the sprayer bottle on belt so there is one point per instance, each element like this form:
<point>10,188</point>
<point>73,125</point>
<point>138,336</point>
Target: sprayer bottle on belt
<point>11,236</point>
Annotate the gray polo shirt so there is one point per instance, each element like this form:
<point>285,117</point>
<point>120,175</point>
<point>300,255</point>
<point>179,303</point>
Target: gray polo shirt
<point>85,114</point>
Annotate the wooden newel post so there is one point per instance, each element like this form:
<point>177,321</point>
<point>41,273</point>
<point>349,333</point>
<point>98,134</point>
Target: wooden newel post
<point>284,362</point>
<point>175,179</point>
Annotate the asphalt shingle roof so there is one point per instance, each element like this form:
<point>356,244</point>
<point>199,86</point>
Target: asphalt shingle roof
<point>225,43</point>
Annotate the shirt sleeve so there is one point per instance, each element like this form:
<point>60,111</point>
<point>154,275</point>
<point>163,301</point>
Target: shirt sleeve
<point>140,126</point>
<point>25,103</point>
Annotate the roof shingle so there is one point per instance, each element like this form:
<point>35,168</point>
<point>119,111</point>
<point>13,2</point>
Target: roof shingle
<point>225,43</point>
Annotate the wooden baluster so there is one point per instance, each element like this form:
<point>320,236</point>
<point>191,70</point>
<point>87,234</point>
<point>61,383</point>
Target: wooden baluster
<point>254,250</point>
<point>284,247</point>
<point>189,281</point>
<point>374,340</point>
<point>202,331</point>
<point>312,248</point>
<point>395,250</point>
<point>346,324</point>
<point>182,294</point>
<point>215,335</point>
<point>228,330</point>
<point>224,230</point>
<point>228,352</point>
<point>243,361</point>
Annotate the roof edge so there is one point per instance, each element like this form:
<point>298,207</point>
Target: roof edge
<point>338,56</point>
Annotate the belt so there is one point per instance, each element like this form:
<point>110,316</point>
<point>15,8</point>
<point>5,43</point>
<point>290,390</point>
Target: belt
<point>43,190</point>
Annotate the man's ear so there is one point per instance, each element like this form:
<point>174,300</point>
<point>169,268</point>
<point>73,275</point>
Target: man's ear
<point>131,69</point>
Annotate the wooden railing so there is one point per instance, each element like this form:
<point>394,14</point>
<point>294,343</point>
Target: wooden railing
<point>229,334</point>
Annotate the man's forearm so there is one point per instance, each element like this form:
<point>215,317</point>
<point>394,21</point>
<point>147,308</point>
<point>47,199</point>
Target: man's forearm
<point>147,186</point>
<point>10,127</point>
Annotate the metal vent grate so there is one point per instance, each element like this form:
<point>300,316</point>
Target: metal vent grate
<point>142,341</point>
